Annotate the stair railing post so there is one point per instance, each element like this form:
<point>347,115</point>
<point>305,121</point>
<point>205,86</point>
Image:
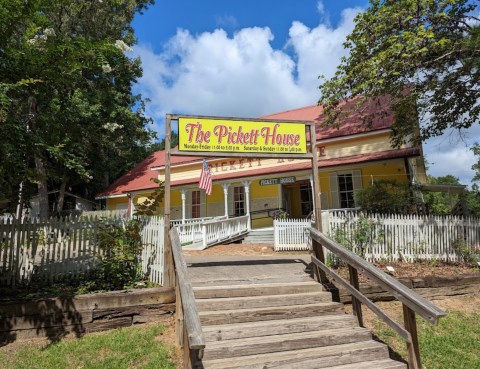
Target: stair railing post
<point>356,304</point>
<point>412,347</point>
<point>179,323</point>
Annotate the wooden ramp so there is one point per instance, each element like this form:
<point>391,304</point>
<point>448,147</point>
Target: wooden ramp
<point>288,323</point>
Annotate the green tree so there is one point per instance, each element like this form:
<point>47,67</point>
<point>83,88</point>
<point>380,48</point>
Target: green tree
<point>441,203</point>
<point>476,167</point>
<point>66,94</point>
<point>423,55</point>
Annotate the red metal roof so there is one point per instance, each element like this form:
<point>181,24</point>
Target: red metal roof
<point>350,124</point>
<point>139,177</point>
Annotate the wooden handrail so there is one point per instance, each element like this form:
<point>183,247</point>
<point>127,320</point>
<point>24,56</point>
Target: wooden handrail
<point>193,340</point>
<point>412,302</point>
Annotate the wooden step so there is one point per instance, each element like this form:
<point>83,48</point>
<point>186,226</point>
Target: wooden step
<point>269,313</point>
<point>375,364</point>
<point>252,281</point>
<point>228,303</point>
<point>284,342</point>
<point>317,357</point>
<point>275,327</point>
<point>258,289</point>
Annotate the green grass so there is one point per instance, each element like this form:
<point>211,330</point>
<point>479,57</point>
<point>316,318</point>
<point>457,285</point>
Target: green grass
<point>453,344</point>
<point>133,347</point>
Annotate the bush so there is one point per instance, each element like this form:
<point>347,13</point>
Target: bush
<point>119,263</point>
<point>357,235</point>
<point>386,196</point>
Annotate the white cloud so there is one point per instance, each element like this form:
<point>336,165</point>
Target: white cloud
<point>243,75</point>
<point>319,50</point>
<point>451,154</point>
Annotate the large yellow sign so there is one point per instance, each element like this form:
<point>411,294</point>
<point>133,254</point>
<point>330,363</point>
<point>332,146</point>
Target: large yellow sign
<point>223,135</point>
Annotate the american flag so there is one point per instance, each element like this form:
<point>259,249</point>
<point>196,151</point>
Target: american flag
<point>205,182</point>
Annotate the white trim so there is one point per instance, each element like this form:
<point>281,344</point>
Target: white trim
<point>110,196</point>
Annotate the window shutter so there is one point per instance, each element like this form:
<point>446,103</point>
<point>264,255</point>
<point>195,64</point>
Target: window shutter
<point>203,204</point>
<point>334,191</point>
<point>357,180</point>
<point>188,204</point>
<point>324,201</point>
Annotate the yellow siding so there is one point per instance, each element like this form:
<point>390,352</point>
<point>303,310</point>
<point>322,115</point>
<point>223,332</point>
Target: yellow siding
<point>216,195</point>
<point>113,202</point>
<point>394,170</point>
<point>175,197</point>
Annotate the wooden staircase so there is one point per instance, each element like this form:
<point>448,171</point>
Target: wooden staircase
<point>286,325</point>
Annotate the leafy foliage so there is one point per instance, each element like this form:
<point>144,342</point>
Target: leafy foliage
<point>358,235</point>
<point>66,93</point>
<point>386,196</point>
<point>422,54</point>
<point>152,204</point>
<point>119,262</point>
<point>476,167</point>
<point>469,254</point>
<point>441,203</point>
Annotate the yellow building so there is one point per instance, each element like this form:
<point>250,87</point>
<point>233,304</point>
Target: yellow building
<point>350,158</point>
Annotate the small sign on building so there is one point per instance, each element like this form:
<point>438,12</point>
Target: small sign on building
<point>274,181</point>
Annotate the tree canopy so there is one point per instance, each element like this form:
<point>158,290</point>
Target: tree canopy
<point>67,111</point>
<point>423,54</point>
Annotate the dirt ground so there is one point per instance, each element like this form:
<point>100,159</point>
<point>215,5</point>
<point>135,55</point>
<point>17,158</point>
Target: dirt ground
<point>417,269</point>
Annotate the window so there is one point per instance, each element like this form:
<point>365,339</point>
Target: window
<point>239,201</point>
<point>195,204</point>
<point>345,190</point>
<point>306,203</point>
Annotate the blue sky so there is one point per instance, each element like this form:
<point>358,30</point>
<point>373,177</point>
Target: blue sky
<point>251,58</point>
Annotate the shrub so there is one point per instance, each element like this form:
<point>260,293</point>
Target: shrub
<point>386,196</point>
<point>119,262</point>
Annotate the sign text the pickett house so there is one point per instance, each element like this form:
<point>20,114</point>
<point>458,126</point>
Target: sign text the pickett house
<point>219,135</point>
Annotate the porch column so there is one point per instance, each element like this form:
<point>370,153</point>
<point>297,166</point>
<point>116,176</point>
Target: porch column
<point>130,205</point>
<point>225,195</point>
<point>246,187</point>
<point>184,199</point>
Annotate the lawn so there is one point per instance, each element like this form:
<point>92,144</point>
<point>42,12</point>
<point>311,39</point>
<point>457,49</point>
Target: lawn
<point>132,347</point>
<point>453,344</point>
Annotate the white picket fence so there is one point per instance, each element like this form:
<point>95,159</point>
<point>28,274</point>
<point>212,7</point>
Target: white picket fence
<point>291,234</point>
<point>200,235</point>
<point>394,237</point>
<point>53,249</point>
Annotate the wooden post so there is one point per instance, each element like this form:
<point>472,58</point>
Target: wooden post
<point>413,348</point>
<point>169,270</point>
<point>317,248</point>
<point>356,304</point>
<point>179,324</point>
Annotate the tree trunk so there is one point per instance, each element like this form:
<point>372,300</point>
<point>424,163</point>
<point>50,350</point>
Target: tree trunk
<point>42,188</point>
<point>41,172</point>
<point>61,195</point>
